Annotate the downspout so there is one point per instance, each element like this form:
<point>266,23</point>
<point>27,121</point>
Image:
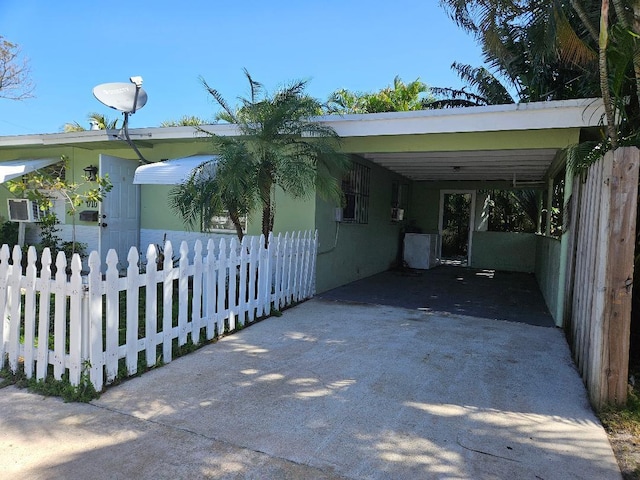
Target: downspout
<point>564,250</point>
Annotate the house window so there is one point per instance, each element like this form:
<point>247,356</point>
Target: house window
<point>355,186</point>
<point>221,222</point>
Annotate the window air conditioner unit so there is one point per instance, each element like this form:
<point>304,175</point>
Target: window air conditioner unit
<point>397,214</point>
<point>23,210</point>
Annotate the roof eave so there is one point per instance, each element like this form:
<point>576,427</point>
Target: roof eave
<point>523,116</point>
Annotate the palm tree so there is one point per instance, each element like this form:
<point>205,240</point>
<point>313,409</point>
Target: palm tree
<point>486,89</point>
<point>279,146</point>
<point>558,50</point>
<point>184,121</point>
<point>401,97</point>
<point>98,121</point>
<point>212,191</point>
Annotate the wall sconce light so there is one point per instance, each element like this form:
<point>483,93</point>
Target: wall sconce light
<point>91,172</point>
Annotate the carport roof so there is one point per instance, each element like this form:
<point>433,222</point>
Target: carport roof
<point>473,143</point>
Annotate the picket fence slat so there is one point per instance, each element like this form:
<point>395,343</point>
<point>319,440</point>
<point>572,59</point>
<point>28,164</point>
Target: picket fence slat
<point>196,305</point>
<point>233,272</point>
<point>103,320</point>
<point>75,321</point>
<point>133,294</point>
<point>29,312</point>
<point>42,356</point>
<point>4,302</point>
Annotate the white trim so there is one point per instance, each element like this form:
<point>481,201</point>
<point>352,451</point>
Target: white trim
<point>522,116</point>
<point>172,172</point>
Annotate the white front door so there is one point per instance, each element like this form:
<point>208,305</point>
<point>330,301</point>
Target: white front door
<point>120,209</point>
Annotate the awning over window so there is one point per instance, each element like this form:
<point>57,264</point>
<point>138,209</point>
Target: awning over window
<point>171,172</point>
<point>16,168</point>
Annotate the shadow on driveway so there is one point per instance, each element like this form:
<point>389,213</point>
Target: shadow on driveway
<point>329,390</point>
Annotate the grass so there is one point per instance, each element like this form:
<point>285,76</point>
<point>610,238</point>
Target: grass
<point>623,418</point>
<point>49,387</point>
<point>622,424</point>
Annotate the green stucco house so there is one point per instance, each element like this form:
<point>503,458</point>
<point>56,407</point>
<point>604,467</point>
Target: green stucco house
<point>405,163</point>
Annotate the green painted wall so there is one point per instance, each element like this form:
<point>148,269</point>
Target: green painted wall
<point>547,270</point>
<point>515,252</point>
<point>292,214</point>
<point>361,250</point>
<point>155,212</point>
<point>548,138</point>
<point>424,206</point>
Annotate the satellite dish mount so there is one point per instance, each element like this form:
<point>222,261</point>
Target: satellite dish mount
<point>126,98</point>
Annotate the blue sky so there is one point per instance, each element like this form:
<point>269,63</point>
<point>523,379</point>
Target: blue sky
<point>360,45</point>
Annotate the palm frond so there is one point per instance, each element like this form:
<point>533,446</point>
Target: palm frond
<point>217,96</point>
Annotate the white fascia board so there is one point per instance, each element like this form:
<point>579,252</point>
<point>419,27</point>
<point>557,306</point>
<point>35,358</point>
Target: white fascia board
<point>523,116</point>
<point>91,136</point>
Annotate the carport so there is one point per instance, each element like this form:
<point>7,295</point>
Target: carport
<point>432,154</point>
<point>583,264</point>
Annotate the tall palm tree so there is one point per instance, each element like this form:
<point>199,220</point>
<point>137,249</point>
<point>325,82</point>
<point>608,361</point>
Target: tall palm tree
<point>280,145</point>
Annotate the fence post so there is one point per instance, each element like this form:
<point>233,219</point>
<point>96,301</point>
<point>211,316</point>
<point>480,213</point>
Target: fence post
<point>623,188</point>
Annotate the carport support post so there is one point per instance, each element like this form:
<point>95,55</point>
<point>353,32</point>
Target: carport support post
<point>547,229</point>
<point>564,249</point>
<point>540,200</point>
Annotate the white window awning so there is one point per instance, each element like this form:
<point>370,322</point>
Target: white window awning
<point>171,172</point>
<point>16,168</point>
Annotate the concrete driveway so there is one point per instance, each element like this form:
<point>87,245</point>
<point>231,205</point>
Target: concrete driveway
<point>329,390</point>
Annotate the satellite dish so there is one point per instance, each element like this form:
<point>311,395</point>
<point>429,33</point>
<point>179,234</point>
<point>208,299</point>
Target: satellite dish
<point>124,97</point>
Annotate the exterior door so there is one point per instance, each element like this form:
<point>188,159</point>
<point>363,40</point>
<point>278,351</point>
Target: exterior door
<point>120,209</point>
<point>457,221</point>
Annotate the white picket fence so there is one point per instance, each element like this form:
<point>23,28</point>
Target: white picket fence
<point>72,323</point>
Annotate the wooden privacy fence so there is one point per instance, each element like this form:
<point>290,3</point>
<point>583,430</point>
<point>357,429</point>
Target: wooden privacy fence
<point>108,324</point>
<point>601,240</point>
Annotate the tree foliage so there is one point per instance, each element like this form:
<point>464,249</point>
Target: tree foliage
<point>15,74</point>
<point>98,121</point>
<point>532,47</point>
<point>184,121</point>
<point>551,50</point>
<point>400,97</point>
<point>279,145</point>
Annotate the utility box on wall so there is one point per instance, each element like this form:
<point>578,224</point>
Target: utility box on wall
<point>89,216</point>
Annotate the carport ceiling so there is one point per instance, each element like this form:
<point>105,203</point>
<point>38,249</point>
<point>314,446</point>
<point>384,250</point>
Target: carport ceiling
<point>516,166</point>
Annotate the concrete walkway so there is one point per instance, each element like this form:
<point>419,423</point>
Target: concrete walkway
<point>329,390</point>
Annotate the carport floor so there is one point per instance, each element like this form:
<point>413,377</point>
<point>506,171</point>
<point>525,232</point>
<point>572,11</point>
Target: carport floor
<point>453,290</point>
